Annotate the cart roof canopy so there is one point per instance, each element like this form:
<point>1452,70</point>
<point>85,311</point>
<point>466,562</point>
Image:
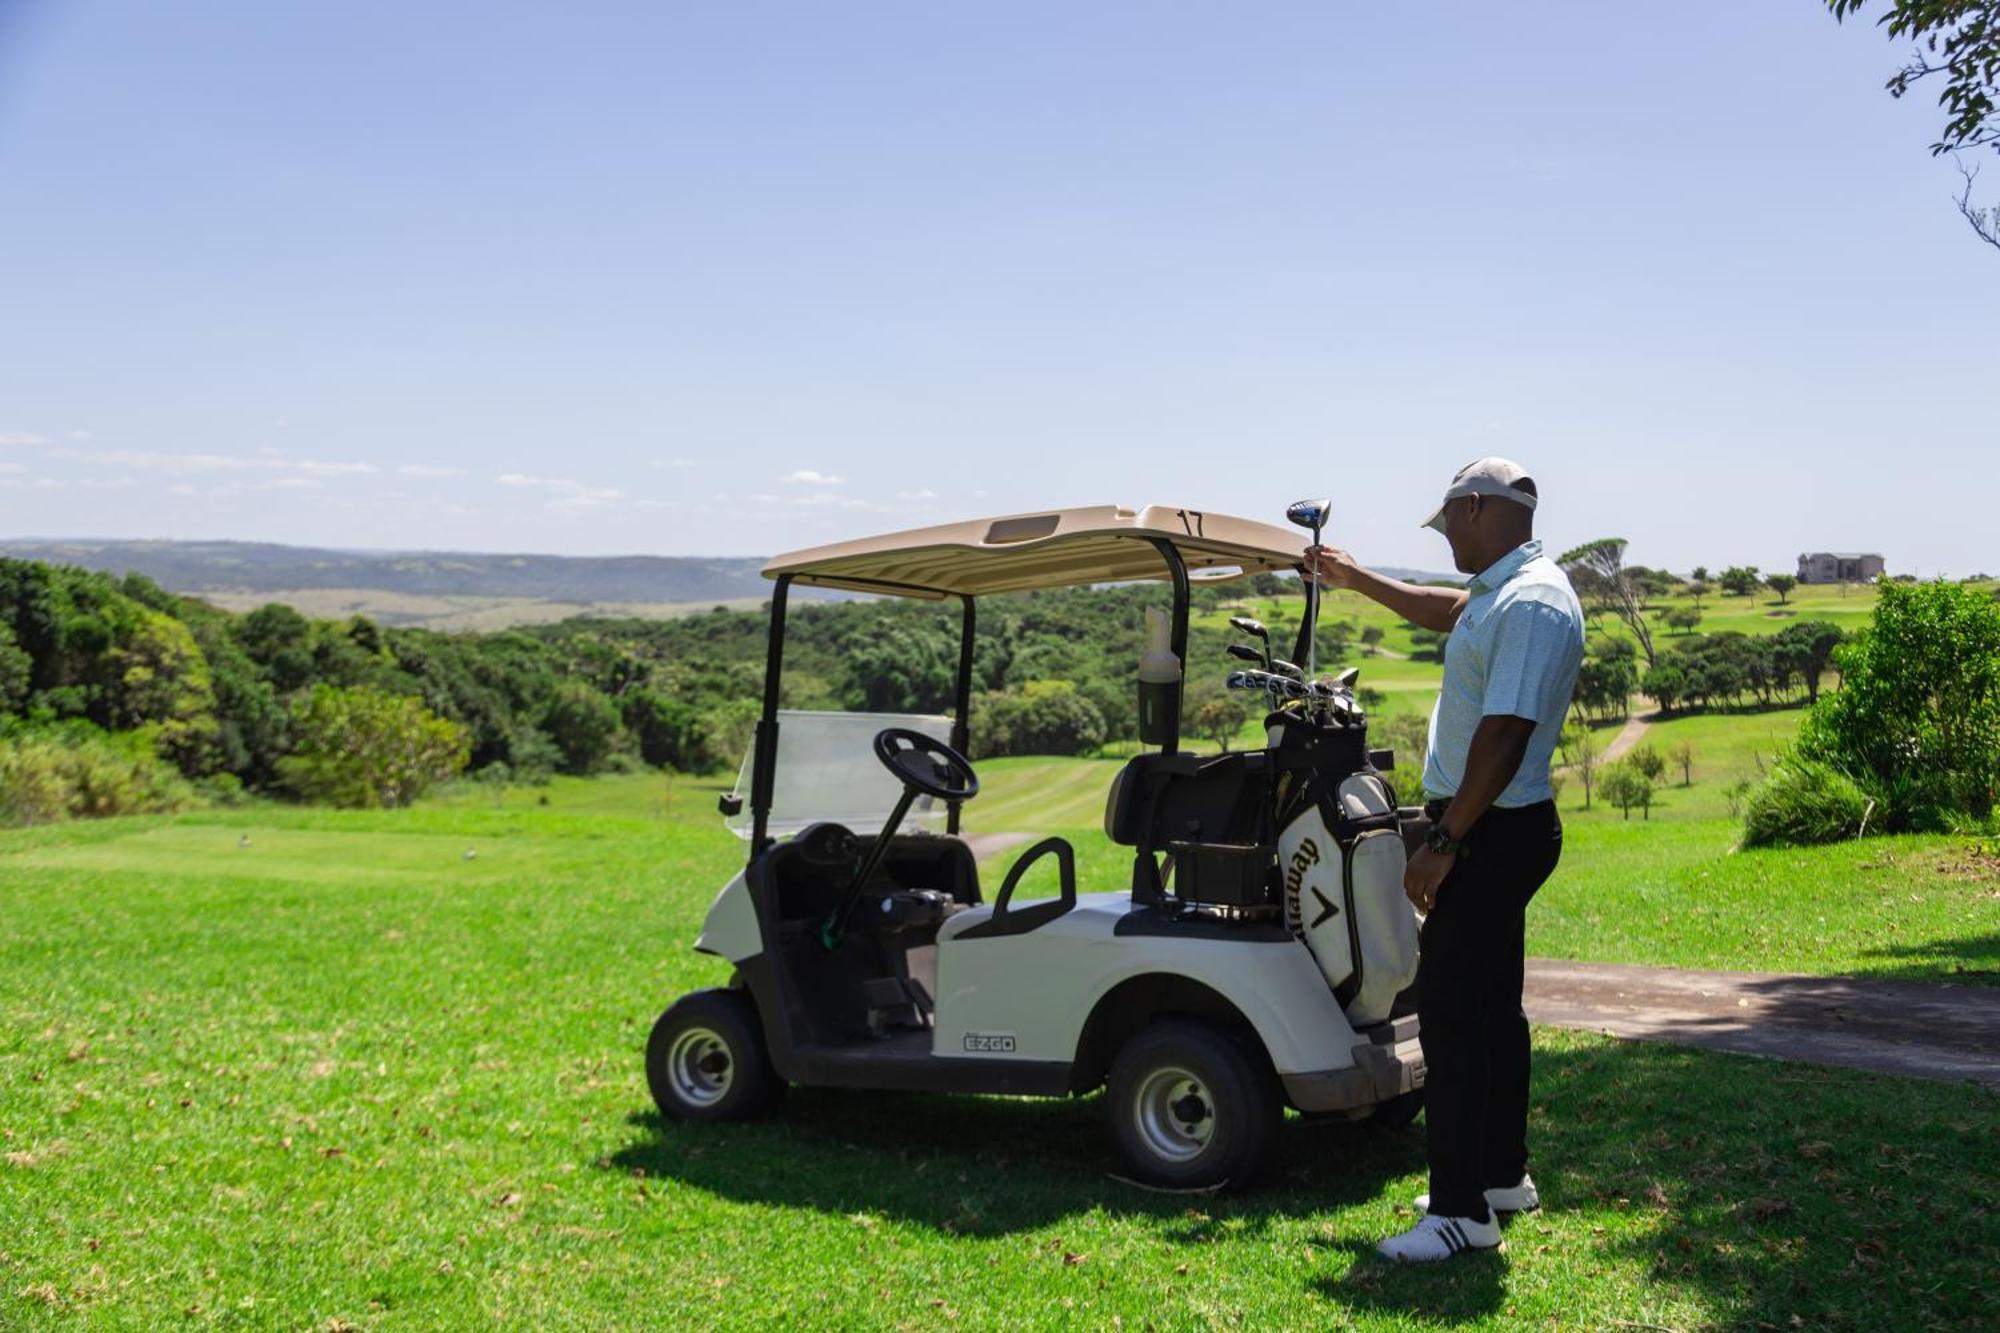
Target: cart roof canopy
<point>1058,548</point>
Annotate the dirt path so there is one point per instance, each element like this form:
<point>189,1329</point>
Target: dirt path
<point>1629,736</point>
<point>1926,1031</point>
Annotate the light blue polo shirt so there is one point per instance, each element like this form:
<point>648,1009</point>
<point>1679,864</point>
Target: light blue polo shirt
<point>1515,651</point>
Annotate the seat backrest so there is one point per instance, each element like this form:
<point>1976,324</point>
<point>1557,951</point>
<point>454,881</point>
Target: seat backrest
<point>1162,798</point>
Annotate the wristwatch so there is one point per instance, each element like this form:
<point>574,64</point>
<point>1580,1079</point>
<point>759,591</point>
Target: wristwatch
<point>1441,841</point>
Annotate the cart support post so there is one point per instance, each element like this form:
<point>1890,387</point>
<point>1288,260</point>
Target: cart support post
<point>764,750</point>
<point>961,701</point>
<point>1177,568</point>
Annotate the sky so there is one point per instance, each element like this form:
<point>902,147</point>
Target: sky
<point>735,278</point>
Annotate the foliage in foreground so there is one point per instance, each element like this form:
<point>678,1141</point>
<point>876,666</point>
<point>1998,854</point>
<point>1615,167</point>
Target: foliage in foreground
<point>1916,723</point>
<point>1802,803</point>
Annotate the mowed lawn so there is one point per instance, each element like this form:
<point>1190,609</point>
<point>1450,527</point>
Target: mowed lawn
<point>291,1069</point>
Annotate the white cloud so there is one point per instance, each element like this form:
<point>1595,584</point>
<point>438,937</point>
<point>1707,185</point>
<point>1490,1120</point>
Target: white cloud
<point>21,437</point>
<point>673,462</point>
<point>565,493</point>
<point>153,460</point>
<point>925,494</point>
<point>427,470</point>
<point>288,484</point>
<point>81,435</point>
<point>13,467</point>
<point>180,488</point>
<point>805,476</point>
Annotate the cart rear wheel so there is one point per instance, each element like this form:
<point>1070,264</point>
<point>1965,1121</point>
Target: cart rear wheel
<point>1191,1108</point>
<point>706,1059</point>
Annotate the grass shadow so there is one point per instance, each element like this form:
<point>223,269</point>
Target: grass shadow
<point>1969,960</point>
<point>992,1166</point>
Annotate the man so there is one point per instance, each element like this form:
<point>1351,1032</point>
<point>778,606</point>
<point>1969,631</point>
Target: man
<point>1510,667</point>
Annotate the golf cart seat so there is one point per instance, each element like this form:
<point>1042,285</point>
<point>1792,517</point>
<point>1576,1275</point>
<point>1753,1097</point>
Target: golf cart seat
<point>1158,800</point>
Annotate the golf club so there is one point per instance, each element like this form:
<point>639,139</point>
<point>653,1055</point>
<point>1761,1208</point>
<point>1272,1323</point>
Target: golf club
<point>1311,514</point>
<point>1255,629</point>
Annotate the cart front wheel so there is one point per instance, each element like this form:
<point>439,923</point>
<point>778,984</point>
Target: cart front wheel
<point>706,1059</point>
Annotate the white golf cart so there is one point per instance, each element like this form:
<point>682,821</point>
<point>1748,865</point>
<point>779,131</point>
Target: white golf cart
<point>1259,954</point>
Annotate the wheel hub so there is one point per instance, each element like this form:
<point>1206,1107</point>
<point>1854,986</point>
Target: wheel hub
<point>699,1067</point>
<point>1174,1114</point>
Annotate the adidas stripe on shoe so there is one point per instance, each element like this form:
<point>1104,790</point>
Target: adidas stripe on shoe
<point>1434,1238</point>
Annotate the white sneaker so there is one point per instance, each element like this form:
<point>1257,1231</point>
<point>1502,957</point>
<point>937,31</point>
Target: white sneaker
<point>1520,1198</point>
<point>1436,1238</point>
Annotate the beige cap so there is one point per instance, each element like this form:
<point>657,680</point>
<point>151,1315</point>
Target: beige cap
<point>1487,476</point>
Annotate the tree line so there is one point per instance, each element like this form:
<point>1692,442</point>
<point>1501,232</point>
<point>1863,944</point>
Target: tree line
<point>114,685</point>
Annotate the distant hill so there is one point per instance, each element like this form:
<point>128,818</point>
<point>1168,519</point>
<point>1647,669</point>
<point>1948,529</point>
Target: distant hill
<point>438,589</point>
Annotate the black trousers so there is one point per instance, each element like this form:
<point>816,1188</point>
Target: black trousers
<point>1475,1036</point>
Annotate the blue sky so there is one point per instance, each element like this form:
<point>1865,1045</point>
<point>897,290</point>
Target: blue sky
<point>734,278</point>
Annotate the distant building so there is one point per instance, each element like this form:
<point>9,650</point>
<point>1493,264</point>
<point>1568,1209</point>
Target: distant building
<point>1839,567</point>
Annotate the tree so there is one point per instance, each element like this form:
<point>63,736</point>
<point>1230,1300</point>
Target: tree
<point>1597,570</point>
<point>1681,618</point>
<point>1740,580</point>
<point>1700,588</point>
<point>1699,574</point>
<point>1959,39</point>
<point>1668,684</point>
<point>1648,761</point>
<point>1917,718</point>
<point>1371,640</point>
<point>1782,584</point>
<point>1219,716</point>
<point>362,747</point>
<point>1605,682</point>
<point>1808,647</point>
<point>1579,753</point>
<point>1625,786</point>
<point>583,724</point>
<point>1683,756</point>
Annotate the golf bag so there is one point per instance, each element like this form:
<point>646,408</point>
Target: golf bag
<point>1341,856</point>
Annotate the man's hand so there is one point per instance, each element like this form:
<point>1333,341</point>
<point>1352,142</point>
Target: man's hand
<point>1332,567</point>
<point>1426,871</point>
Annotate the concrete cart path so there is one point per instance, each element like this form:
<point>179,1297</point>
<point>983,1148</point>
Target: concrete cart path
<point>985,845</point>
<point>1898,1027</point>
<point>1628,736</point>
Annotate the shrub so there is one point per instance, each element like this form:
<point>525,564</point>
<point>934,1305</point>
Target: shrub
<point>1917,718</point>
<point>1044,717</point>
<point>1648,761</point>
<point>362,747</point>
<point>1802,803</point>
<point>80,772</point>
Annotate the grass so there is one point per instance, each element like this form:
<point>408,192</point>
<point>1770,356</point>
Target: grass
<point>345,1076</point>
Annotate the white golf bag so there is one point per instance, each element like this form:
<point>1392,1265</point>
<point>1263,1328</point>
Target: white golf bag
<point>1341,857</point>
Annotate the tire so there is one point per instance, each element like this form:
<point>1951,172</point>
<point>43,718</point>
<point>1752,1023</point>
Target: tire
<point>1192,1108</point>
<point>706,1059</point>
<point>1397,1112</point>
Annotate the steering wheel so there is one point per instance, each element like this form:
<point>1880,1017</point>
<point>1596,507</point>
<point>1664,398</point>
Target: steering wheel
<point>926,764</point>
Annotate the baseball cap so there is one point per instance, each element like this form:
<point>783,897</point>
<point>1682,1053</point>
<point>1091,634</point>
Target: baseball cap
<point>1487,476</point>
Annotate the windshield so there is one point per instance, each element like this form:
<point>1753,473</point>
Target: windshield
<point>827,769</point>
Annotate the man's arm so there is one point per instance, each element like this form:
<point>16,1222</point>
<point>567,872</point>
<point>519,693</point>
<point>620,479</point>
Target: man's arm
<point>1498,746</point>
<point>1431,608</point>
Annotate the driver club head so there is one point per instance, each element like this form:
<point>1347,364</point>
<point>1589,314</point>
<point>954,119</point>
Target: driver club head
<point>1254,628</point>
<point>1243,652</point>
<point>1310,514</point>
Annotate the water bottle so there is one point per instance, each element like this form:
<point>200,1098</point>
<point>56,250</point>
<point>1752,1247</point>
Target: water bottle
<point>1159,683</point>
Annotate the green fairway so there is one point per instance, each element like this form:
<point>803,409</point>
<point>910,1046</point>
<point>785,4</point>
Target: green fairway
<point>345,1074</point>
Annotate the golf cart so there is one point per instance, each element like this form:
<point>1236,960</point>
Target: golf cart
<point>1259,954</point>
